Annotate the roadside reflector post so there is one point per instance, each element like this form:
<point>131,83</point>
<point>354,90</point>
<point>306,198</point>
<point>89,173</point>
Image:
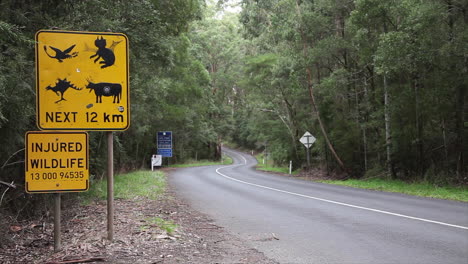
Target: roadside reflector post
<point>290,167</point>
<point>110,186</point>
<point>57,204</point>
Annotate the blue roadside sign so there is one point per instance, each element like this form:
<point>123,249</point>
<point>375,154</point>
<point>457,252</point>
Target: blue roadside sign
<point>164,143</point>
<point>165,152</point>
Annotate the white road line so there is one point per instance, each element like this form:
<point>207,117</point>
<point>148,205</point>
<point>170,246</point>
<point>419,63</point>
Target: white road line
<point>333,202</point>
<point>245,160</point>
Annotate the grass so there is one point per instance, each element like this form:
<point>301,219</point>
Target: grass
<point>266,167</point>
<point>127,186</point>
<point>419,189</point>
<point>422,189</point>
<point>166,225</point>
<point>194,163</point>
<point>132,185</point>
<point>270,166</point>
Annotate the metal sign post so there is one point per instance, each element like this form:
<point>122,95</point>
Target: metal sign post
<point>57,234</point>
<point>110,186</point>
<point>307,139</point>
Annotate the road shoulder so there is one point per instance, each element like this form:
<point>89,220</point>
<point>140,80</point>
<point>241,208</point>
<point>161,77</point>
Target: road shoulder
<point>138,238</point>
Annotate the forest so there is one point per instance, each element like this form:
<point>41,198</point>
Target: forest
<point>381,84</point>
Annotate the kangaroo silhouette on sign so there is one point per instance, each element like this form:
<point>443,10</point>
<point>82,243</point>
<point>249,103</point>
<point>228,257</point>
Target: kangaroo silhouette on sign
<point>61,55</point>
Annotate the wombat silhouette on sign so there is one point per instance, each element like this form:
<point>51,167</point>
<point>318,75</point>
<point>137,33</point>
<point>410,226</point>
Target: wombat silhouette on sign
<point>106,54</point>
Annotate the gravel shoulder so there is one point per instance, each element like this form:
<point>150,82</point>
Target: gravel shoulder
<point>140,236</point>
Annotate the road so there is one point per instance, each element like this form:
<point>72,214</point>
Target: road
<point>295,221</point>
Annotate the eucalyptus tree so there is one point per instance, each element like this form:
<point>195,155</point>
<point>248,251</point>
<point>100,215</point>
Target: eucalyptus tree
<point>295,30</point>
<point>216,42</point>
<point>406,52</point>
<point>384,78</point>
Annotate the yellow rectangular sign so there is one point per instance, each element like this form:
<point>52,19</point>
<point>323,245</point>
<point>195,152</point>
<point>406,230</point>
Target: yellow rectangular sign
<point>56,162</point>
<point>82,81</point>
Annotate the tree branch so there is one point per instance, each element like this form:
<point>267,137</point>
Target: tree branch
<point>10,185</point>
<point>5,164</point>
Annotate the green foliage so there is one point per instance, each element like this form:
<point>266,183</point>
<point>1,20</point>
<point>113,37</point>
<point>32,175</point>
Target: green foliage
<point>270,165</point>
<point>225,160</point>
<point>166,225</point>
<point>423,189</point>
<point>345,49</point>
<point>167,82</point>
<point>209,75</point>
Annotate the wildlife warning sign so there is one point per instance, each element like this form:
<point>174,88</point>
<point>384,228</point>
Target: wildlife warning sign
<point>56,162</point>
<point>82,81</point>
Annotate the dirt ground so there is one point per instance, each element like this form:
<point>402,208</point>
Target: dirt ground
<point>138,238</point>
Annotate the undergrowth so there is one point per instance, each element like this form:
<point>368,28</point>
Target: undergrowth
<point>127,186</point>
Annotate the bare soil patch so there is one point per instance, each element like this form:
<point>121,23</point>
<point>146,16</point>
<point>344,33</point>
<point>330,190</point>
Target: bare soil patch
<point>137,238</point>
<point>319,174</point>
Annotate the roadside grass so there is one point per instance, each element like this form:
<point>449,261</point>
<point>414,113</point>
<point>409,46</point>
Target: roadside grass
<point>422,189</point>
<point>127,186</point>
<point>166,225</point>
<point>418,189</point>
<point>226,160</point>
<point>270,166</point>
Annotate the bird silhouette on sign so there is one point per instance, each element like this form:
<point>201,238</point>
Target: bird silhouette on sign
<point>61,55</point>
<point>60,87</point>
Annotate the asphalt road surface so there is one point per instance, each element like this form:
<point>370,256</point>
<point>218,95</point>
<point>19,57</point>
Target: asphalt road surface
<point>295,221</point>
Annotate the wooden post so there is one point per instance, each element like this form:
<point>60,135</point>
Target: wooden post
<point>57,241</point>
<point>110,186</point>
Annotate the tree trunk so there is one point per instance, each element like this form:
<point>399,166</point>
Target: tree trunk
<point>292,127</point>
<point>461,94</point>
<point>218,149</point>
<point>460,91</point>
<point>363,127</point>
<point>312,97</point>
<point>444,136</point>
<point>419,127</point>
<point>388,137</point>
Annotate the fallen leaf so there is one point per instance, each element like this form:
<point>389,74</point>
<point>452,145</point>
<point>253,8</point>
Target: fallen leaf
<point>16,228</point>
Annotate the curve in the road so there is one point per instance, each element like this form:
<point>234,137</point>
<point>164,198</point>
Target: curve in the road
<point>330,201</point>
<point>322,223</point>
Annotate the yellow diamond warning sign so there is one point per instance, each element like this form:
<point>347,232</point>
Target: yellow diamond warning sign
<point>56,162</point>
<point>82,81</point>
